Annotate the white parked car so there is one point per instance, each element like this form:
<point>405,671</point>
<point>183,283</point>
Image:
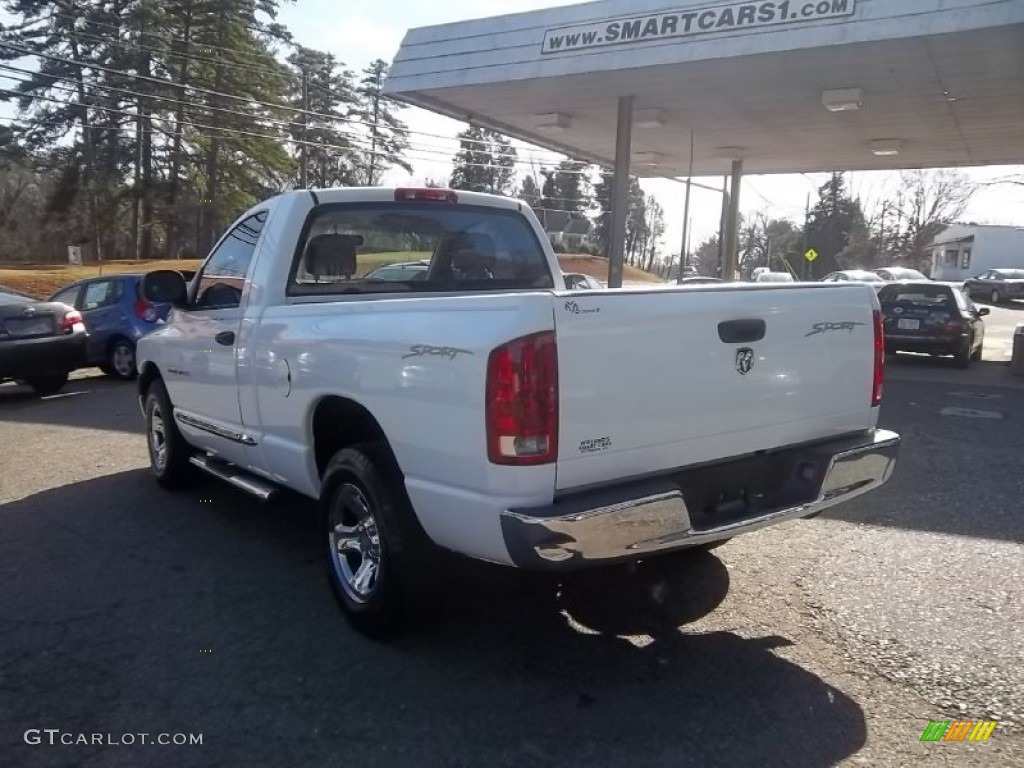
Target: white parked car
<point>774,277</point>
<point>483,408</point>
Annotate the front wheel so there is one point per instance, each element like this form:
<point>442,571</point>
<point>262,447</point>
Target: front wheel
<point>48,385</point>
<point>381,565</point>
<point>168,452</point>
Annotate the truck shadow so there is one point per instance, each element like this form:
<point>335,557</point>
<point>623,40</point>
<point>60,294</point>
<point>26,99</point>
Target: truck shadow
<point>129,609</point>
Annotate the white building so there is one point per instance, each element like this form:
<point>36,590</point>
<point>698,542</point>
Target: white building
<point>965,250</point>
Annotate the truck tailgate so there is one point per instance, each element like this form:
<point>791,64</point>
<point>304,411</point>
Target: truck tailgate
<point>658,379</point>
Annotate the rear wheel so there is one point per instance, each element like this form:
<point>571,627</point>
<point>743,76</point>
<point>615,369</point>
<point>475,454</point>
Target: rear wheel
<point>120,361</point>
<point>996,297</point>
<point>48,385</point>
<point>964,355</point>
<point>381,565</point>
<point>168,452</point>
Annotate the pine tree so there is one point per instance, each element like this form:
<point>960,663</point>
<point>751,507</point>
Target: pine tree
<point>485,162</point>
<point>833,220</point>
<point>388,135</point>
<point>567,188</point>
<point>529,192</point>
<point>329,90</point>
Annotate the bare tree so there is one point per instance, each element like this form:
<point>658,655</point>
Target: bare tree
<point>928,201</point>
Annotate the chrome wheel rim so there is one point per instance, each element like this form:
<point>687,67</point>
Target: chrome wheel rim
<point>123,360</point>
<point>354,543</point>
<point>157,439</point>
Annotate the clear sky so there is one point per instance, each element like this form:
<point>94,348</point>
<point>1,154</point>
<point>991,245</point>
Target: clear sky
<point>358,31</point>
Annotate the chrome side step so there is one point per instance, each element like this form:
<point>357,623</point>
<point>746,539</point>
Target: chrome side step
<point>239,478</point>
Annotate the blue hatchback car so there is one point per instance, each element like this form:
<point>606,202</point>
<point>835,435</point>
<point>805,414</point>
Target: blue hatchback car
<point>116,316</point>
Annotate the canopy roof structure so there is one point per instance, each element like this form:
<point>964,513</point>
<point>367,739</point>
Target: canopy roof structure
<point>796,86</point>
<point>762,86</point>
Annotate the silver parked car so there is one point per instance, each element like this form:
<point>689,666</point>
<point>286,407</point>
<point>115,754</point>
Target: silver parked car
<point>852,275</point>
<point>892,274</point>
<point>996,285</point>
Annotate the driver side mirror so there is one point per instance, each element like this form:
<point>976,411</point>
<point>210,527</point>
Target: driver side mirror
<point>166,286</point>
<point>982,311</point>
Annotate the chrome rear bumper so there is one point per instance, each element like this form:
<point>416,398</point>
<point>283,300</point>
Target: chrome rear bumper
<point>630,521</point>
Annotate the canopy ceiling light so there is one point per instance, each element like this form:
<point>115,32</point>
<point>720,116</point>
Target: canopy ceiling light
<point>843,100</point>
<point>647,158</point>
<point>886,147</point>
<point>729,153</point>
<point>552,121</point>
<point>650,118</point>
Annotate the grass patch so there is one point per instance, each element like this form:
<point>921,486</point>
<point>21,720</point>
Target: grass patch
<point>43,281</point>
<point>597,267</point>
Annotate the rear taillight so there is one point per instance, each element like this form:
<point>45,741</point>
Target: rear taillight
<point>954,326</point>
<point>145,311</point>
<point>429,194</point>
<point>879,377</point>
<point>70,320</point>
<point>522,401</point>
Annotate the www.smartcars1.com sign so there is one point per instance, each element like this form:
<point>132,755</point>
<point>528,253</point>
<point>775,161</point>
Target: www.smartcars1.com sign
<point>673,25</point>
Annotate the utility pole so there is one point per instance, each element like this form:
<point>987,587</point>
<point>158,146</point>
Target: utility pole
<point>304,158</point>
<point>807,221</point>
<point>721,224</point>
<point>683,253</point>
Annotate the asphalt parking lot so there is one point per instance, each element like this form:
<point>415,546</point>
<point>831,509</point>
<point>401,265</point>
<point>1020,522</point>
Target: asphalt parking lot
<point>127,610</point>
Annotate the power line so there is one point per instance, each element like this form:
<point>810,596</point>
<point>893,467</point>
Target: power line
<point>357,143</point>
<point>230,132</point>
<point>127,44</point>
<point>131,131</point>
<point>195,43</point>
<point>199,89</point>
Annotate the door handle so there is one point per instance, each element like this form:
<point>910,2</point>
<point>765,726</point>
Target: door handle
<point>742,331</point>
<point>227,338</point>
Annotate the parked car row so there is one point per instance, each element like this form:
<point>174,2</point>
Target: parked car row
<point>92,322</point>
<point>41,342</point>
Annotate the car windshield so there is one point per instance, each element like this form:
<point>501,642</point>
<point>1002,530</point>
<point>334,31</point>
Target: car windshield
<point>464,247</point>
<point>921,297</point>
<point>901,273</point>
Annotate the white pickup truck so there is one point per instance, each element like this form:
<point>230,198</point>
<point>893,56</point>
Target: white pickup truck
<point>465,400</point>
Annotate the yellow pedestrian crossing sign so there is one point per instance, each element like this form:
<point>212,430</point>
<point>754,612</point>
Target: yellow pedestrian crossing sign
<point>811,254</point>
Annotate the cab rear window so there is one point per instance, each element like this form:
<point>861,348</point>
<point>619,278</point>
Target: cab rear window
<point>416,247</point>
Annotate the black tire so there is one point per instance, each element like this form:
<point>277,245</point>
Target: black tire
<point>995,296</point>
<point>120,362</point>
<point>964,355</point>
<point>370,528</point>
<point>48,385</point>
<point>173,470</point>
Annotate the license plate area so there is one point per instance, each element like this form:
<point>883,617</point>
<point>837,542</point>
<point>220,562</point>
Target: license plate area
<point>908,324</point>
<point>22,327</point>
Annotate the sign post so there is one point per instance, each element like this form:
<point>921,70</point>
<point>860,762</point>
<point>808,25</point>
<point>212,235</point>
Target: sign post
<point>810,256</point>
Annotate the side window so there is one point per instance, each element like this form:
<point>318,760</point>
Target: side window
<point>220,282</point>
<point>68,296</point>
<point>102,293</point>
